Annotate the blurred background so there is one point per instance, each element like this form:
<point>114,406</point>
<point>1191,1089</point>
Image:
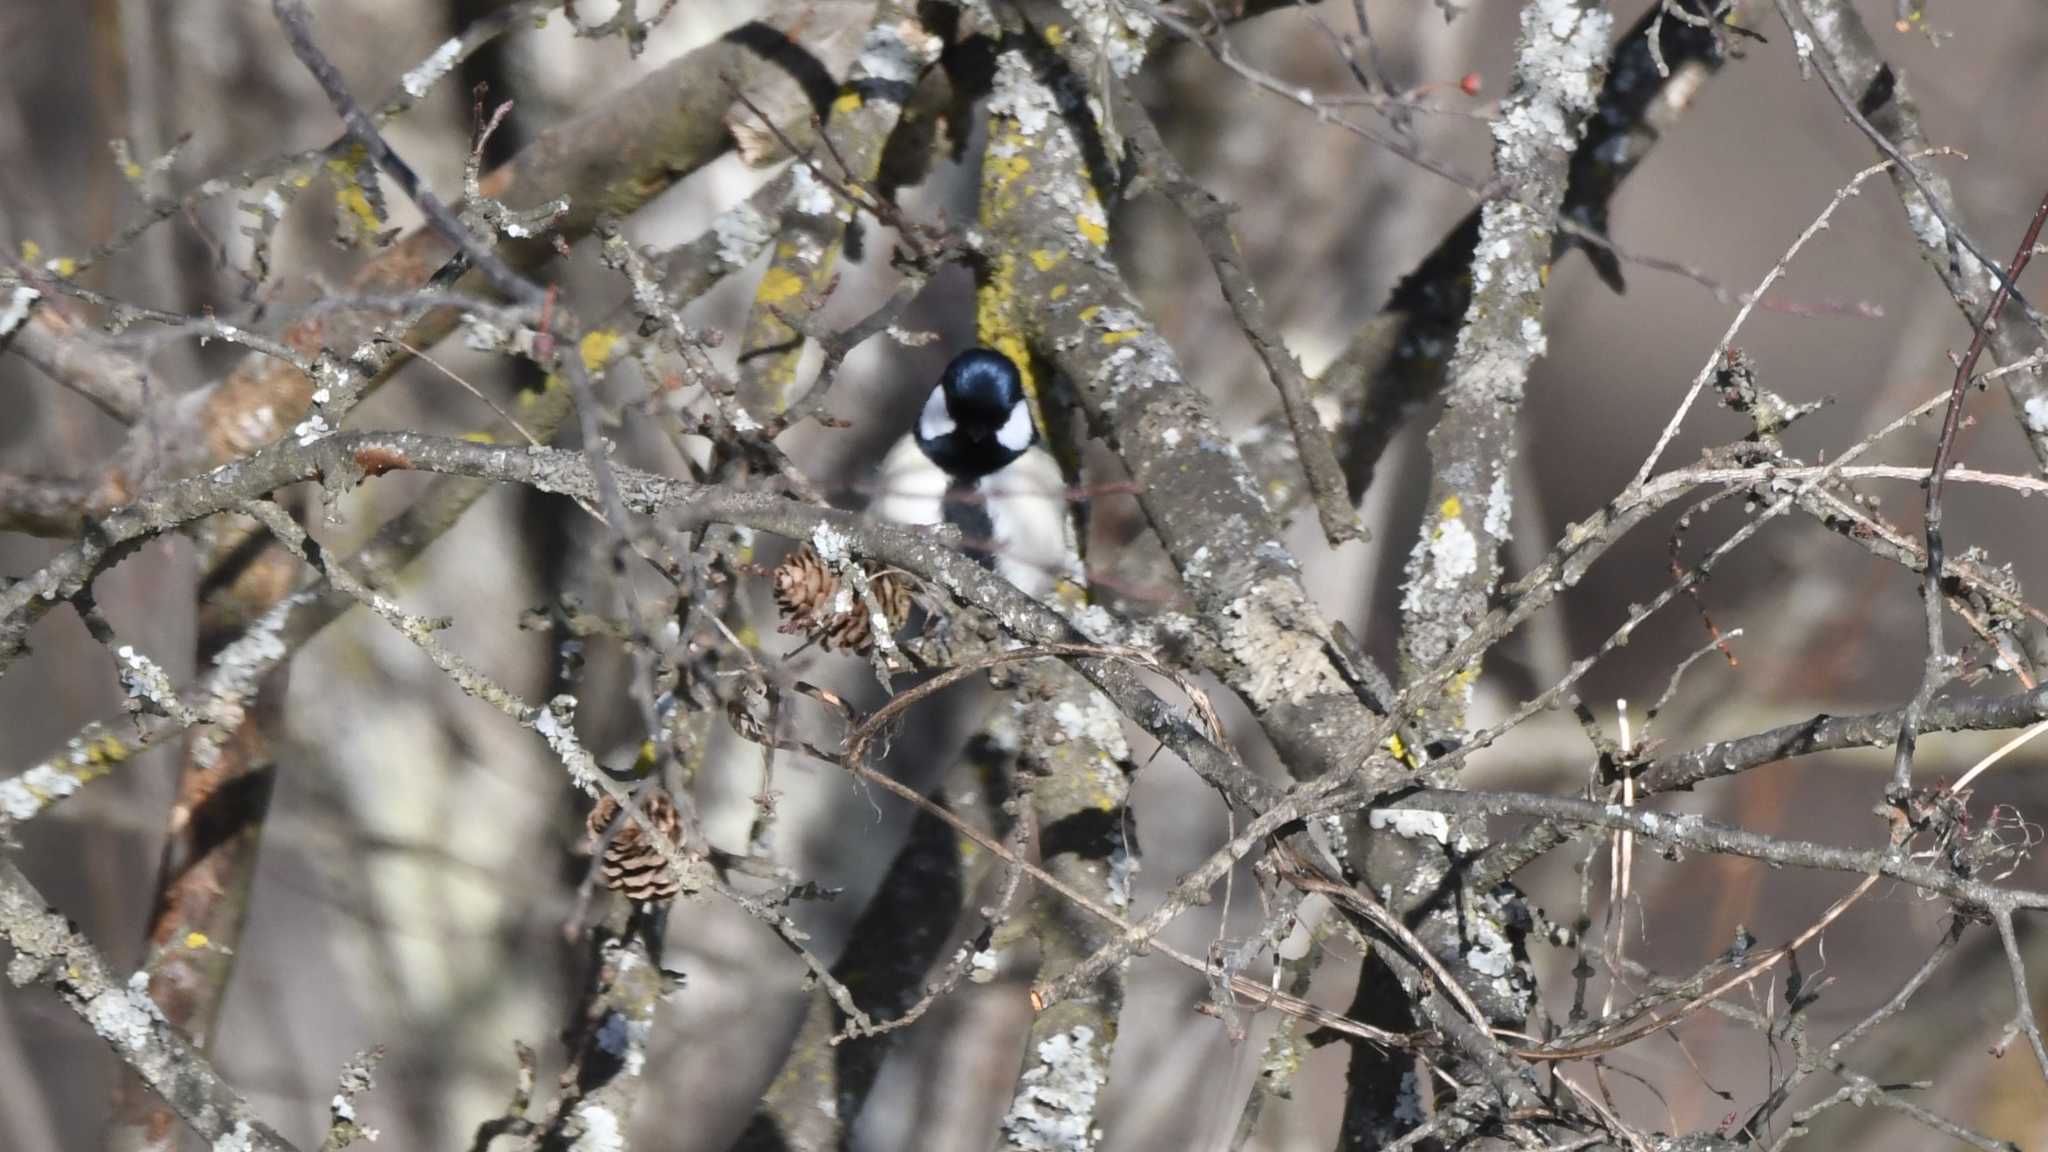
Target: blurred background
<point>419,864</point>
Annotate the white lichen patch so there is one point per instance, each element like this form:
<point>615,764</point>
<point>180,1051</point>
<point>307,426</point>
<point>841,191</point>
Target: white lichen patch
<point>1438,595</point>
<point>1119,31</point>
<point>897,53</point>
<point>125,1017</point>
<point>1095,622</point>
<point>1479,942</point>
<point>1490,954</point>
<point>1018,95</point>
<point>1274,553</point>
<point>481,335</point>
<point>237,671</point>
<point>1557,72</point>
<point>1281,662</point>
<point>1141,362</point>
<point>1117,319</point>
<point>831,545</point>
<point>1055,1106</point>
<point>429,73</point>
<point>1439,564</point>
<point>1093,721</point>
<point>808,194</point>
<point>148,683</point>
<point>2036,410</point>
<point>1502,270</point>
<point>1498,523</point>
<point>742,233</point>
<point>312,429</point>
<point>1411,823</point>
<point>556,724</point>
<point>241,1139</point>
<point>23,796</point>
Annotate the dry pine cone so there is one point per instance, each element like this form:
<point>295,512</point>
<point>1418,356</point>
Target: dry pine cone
<point>632,865</point>
<point>806,592</point>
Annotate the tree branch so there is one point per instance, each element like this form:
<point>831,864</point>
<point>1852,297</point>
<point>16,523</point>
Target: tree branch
<point>48,951</point>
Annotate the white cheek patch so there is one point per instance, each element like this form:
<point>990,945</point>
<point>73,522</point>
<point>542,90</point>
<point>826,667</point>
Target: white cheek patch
<point>1015,434</point>
<point>935,421</point>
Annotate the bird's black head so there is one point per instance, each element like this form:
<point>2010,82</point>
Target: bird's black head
<point>976,420</point>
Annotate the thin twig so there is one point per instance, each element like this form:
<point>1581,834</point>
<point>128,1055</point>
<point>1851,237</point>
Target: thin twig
<point>1749,304</point>
<point>1944,451</point>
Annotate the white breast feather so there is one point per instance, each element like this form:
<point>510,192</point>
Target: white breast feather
<point>910,489</point>
<point>1027,507</point>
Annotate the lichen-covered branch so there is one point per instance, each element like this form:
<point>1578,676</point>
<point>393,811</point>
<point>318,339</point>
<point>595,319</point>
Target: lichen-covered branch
<point>1398,359</point>
<point>1454,566</point>
<point>48,951</point>
<point>1210,219</point>
<point>816,218</point>
<point>1456,562</point>
<point>1690,831</point>
<point>608,1047</point>
<point>606,162</point>
<point>1075,770</point>
<point>610,160</point>
<point>893,964</point>
<point>1718,759</point>
<point>1842,47</point>
<point>1054,298</point>
<point>346,458</point>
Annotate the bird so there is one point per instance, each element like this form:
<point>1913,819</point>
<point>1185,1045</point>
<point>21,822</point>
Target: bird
<point>974,460</point>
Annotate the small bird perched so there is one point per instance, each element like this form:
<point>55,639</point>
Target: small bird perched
<point>973,461</point>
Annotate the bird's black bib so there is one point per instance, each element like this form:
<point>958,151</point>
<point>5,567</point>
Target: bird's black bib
<point>966,508</point>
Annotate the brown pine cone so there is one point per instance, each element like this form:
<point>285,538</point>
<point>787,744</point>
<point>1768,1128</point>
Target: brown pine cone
<point>806,591</point>
<point>632,865</point>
